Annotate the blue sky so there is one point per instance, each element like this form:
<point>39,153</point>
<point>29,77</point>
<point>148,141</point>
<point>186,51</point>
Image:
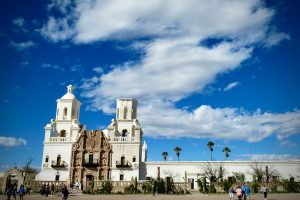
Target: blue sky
<point>226,71</point>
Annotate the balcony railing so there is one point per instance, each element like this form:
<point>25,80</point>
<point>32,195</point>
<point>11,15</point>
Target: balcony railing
<point>90,163</point>
<point>123,139</point>
<point>61,164</point>
<point>123,164</point>
<point>60,139</point>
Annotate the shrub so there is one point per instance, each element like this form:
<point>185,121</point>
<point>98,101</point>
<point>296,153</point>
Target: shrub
<point>160,186</point>
<point>226,184</point>
<point>212,189</point>
<point>255,187</point>
<point>290,185</point>
<point>129,189</point>
<point>107,187</point>
<point>200,185</point>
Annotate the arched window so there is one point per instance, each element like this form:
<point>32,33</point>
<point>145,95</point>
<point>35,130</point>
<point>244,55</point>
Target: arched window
<point>73,113</point>
<point>58,160</point>
<point>63,133</point>
<point>123,160</point>
<point>57,176</point>
<point>125,113</point>
<point>47,159</point>
<point>124,133</point>
<point>134,159</point>
<point>65,112</point>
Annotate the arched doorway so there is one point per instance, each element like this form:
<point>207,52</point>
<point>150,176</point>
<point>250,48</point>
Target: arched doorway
<point>89,182</point>
<point>12,177</point>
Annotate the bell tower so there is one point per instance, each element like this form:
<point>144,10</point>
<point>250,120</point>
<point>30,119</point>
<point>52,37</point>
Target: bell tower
<point>60,134</point>
<point>125,135</point>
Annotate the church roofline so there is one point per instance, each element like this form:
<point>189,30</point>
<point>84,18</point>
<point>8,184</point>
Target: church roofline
<point>126,99</point>
<point>292,161</point>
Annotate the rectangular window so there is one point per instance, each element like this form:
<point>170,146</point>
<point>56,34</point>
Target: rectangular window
<point>57,177</point>
<point>91,157</point>
<point>133,159</point>
<point>121,177</point>
<point>47,159</point>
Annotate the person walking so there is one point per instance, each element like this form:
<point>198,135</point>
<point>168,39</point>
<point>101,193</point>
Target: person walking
<point>47,190</point>
<point>65,192</point>
<point>239,192</point>
<point>231,192</point>
<point>52,188</point>
<point>265,191</point>
<point>9,192</point>
<point>21,192</point>
<point>14,192</point>
<point>247,192</point>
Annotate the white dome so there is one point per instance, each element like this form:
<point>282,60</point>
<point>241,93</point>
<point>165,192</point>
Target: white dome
<point>68,96</point>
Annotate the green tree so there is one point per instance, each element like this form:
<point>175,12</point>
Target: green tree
<point>239,176</point>
<point>165,155</point>
<point>226,150</point>
<point>177,151</point>
<point>210,145</point>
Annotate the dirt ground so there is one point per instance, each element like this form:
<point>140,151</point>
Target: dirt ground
<point>198,196</point>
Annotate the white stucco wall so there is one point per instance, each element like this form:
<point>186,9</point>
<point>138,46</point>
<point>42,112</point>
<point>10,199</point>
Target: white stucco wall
<point>53,150</point>
<point>176,170</point>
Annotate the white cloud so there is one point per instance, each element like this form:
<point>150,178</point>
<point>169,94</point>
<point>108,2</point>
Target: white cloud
<point>24,63</point>
<point>274,38</point>
<point>98,70</point>
<point>175,64</point>
<point>288,143</point>
<point>12,141</point>
<point>76,68</point>
<point>230,86</point>
<point>89,21</point>
<point>19,22</point>
<point>22,45</point>
<point>48,65</point>
<point>162,119</point>
<point>53,29</point>
<point>61,5</point>
<point>270,156</point>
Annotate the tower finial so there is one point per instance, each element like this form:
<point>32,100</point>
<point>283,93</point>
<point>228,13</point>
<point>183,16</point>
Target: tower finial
<point>70,89</point>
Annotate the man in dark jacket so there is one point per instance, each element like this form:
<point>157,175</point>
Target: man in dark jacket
<point>65,192</point>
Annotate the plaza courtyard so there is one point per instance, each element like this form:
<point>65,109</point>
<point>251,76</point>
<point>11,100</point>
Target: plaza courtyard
<point>196,195</point>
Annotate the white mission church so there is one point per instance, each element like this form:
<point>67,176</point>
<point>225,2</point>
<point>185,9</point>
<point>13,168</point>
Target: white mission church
<point>128,155</point>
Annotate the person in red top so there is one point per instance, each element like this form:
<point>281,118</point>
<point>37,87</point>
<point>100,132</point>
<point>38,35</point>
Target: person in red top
<point>239,192</point>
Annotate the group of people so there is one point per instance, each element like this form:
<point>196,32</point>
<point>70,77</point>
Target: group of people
<point>47,189</point>
<point>243,192</point>
<point>12,192</point>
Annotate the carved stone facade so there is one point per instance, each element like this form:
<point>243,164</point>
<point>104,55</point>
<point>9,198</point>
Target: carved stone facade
<point>90,158</point>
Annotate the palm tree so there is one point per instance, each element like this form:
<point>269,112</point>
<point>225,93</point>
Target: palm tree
<point>177,151</point>
<point>165,155</point>
<point>226,150</point>
<point>210,145</point>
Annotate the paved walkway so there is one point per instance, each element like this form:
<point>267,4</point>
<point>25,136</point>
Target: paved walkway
<point>194,196</point>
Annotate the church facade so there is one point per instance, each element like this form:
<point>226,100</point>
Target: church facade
<point>72,153</point>
<point>91,156</point>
